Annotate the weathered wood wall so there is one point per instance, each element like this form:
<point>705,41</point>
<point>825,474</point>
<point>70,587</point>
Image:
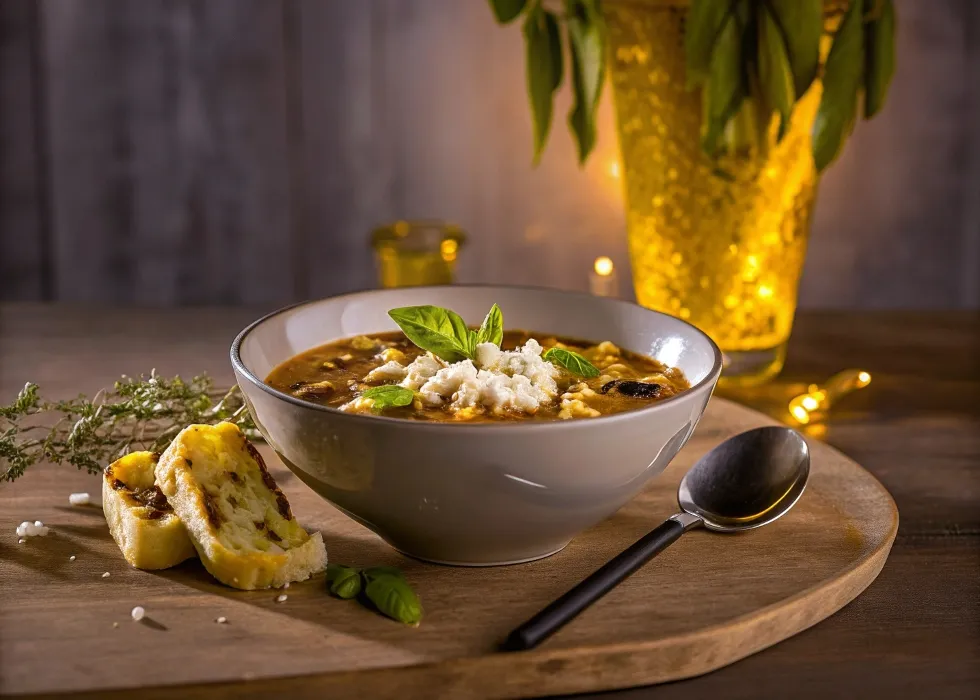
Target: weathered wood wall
<point>224,151</point>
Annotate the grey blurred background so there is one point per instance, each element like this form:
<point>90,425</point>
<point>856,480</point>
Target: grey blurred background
<point>171,152</point>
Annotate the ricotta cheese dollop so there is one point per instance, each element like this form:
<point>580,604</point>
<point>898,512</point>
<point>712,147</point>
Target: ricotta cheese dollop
<point>499,381</point>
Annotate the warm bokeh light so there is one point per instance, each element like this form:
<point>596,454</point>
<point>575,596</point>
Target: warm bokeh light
<point>820,397</point>
<point>603,266</point>
<point>448,249</point>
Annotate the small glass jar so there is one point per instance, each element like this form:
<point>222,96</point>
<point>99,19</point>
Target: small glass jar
<point>416,253</point>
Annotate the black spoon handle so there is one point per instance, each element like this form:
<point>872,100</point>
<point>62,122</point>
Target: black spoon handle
<point>566,608</point>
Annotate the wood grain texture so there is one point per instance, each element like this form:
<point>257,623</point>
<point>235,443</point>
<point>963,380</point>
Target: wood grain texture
<point>240,151</point>
<point>916,630</point>
<point>739,595</point>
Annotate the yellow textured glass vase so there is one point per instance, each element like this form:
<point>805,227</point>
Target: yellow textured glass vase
<point>718,243</point>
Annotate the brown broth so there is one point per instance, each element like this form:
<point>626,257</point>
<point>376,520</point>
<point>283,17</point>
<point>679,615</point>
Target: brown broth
<point>333,374</point>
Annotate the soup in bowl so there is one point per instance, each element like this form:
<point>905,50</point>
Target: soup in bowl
<point>462,440</point>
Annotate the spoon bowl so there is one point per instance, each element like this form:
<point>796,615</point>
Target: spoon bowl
<point>747,481</point>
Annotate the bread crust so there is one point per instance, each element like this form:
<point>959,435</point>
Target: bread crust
<point>236,516</point>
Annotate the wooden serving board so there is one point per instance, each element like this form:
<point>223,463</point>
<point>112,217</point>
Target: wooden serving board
<point>707,601</point>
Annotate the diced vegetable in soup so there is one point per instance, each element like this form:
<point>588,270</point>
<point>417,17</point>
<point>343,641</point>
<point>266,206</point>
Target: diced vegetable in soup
<point>475,376</point>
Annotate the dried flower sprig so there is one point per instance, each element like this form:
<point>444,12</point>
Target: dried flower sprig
<point>142,413</point>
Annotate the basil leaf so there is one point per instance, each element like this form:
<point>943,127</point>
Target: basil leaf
<point>343,581</point>
<point>388,396</point>
<point>842,79</point>
<point>587,45</point>
<point>775,74</point>
<point>801,24</point>
<point>880,57</point>
<point>572,361</point>
<point>705,19</point>
<point>726,88</point>
<point>505,11</point>
<point>542,42</point>
<point>394,597</point>
<point>374,572</point>
<point>492,330</point>
<point>440,331</point>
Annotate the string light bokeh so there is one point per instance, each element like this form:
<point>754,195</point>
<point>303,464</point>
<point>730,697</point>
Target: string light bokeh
<point>819,398</point>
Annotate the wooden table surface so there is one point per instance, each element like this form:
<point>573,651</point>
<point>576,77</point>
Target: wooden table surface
<point>914,632</point>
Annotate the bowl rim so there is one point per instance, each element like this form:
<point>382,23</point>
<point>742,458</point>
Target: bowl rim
<point>709,379</point>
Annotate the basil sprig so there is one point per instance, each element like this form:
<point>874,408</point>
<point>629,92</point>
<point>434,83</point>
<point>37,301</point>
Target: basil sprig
<point>384,587</point>
<point>492,328</point>
<point>444,333</point>
<point>570,360</point>
<point>388,396</point>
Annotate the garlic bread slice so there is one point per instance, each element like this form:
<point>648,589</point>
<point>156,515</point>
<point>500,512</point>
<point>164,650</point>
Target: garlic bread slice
<point>237,518</point>
<point>148,532</point>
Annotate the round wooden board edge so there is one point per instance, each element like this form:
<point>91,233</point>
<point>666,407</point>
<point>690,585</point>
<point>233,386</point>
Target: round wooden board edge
<point>545,672</point>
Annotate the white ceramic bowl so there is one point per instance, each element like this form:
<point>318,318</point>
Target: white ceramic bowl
<point>475,494</point>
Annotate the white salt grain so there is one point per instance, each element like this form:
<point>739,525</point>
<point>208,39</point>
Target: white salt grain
<point>138,613</point>
<point>222,620</point>
<point>105,575</point>
<point>79,499</point>
<point>22,540</point>
<point>282,598</point>
<point>71,558</point>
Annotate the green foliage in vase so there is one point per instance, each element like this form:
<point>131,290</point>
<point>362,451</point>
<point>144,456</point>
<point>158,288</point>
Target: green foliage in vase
<point>749,58</point>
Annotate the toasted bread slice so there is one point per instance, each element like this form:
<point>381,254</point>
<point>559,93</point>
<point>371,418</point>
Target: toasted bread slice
<point>237,518</point>
<point>148,532</point>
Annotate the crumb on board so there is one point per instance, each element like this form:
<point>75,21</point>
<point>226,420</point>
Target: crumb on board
<point>35,529</point>
<point>106,575</point>
<point>282,598</point>
<point>79,499</point>
<point>138,613</point>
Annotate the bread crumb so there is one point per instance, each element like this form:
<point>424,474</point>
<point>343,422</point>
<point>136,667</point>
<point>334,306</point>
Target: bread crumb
<point>222,620</point>
<point>71,558</point>
<point>105,575</point>
<point>138,613</point>
<point>22,540</point>
<point>282,598</point>
<point>115,624</point>
<point>79,499</point>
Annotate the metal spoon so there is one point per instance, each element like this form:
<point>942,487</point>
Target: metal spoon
<point>746,482</point>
